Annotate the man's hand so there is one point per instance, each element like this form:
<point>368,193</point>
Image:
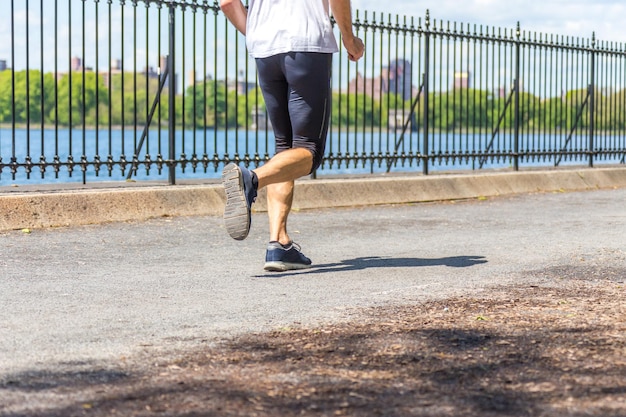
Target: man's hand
<point>343,16</point>
<point>354,47</point>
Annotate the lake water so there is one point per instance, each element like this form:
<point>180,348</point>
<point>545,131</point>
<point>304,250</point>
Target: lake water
<point>22,142</point>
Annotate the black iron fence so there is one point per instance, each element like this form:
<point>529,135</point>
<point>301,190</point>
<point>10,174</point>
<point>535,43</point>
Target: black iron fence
<point>155,89</point>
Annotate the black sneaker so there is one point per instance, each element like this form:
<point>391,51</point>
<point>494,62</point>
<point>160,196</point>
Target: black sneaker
<point>240,194</point>
<point>284,258</point>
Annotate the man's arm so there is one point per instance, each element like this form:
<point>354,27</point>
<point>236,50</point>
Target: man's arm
<point>236,12</point>
<point>343,16</point>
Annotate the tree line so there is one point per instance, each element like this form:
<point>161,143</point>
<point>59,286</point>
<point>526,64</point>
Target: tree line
<point>89,99</point>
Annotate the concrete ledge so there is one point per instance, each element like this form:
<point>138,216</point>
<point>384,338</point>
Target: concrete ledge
<point>54,209</point>
<point>38,209</point>
<point>412,189</point>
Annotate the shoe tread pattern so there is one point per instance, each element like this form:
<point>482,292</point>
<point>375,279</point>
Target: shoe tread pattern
<point>236,212</point>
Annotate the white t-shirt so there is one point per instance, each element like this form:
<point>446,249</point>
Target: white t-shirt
<point>280,26</point>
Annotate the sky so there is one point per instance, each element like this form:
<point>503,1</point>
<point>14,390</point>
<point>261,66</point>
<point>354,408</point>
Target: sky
<point>576,18</point>
<point>572,18</point>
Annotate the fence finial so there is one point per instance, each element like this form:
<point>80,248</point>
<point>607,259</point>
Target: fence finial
<point>427,22</point>
<point>593,39</point>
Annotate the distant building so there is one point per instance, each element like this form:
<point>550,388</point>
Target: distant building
<point>77,64</point>
<point>400,78</point>
<point>259,119</point>
<point>398,118</point>
<point>241,85</point>
<point>372,87</point>
<point>396,78</point>
<point>3,65</point>
<point>462,79</point>
<point>192,78</point>
<point>148,71</point>
<point>116,65</point>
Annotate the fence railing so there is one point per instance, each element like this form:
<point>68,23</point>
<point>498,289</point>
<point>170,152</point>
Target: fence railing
<point>155,89</point>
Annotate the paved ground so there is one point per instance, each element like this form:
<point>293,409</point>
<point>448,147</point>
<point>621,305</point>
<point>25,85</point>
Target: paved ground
<point>84,298</point>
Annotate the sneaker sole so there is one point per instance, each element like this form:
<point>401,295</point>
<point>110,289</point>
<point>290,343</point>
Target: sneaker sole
<point>236,212</point>
<point>283,266</point>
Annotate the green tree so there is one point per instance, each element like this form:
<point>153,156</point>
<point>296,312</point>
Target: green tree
<point>79,107</point>
<point>132,96</point>
<point>218,106</point>
<point>615,118</point>
<point>461,109</point>
<point>203,98</point>
<point>354,110</point>
<point>26,98</point>
<point>554,114</point>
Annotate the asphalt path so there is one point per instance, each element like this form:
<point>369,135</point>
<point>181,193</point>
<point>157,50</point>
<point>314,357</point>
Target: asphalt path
<point>88,296</point>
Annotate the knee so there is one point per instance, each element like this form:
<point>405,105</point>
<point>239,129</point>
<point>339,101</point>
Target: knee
<point>317,157</point>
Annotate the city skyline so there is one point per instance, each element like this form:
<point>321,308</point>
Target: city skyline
<point>579,19</point>
<point>113,37</point>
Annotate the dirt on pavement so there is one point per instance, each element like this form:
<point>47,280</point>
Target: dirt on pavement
<point>547,350</point>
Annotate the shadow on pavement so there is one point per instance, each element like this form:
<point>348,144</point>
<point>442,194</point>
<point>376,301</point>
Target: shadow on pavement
<point>368,262</point>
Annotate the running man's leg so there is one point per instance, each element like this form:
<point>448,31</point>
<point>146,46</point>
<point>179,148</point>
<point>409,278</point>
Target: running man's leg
<point>283,167</point>
<point>296,88</point>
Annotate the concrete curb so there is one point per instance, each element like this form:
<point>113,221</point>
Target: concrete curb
<point>39,209</point>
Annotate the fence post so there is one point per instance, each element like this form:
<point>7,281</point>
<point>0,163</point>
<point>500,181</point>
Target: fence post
<point>592,100</point>
<point>425,81</point>
<point>517,99</point>
<point>172,99</point>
